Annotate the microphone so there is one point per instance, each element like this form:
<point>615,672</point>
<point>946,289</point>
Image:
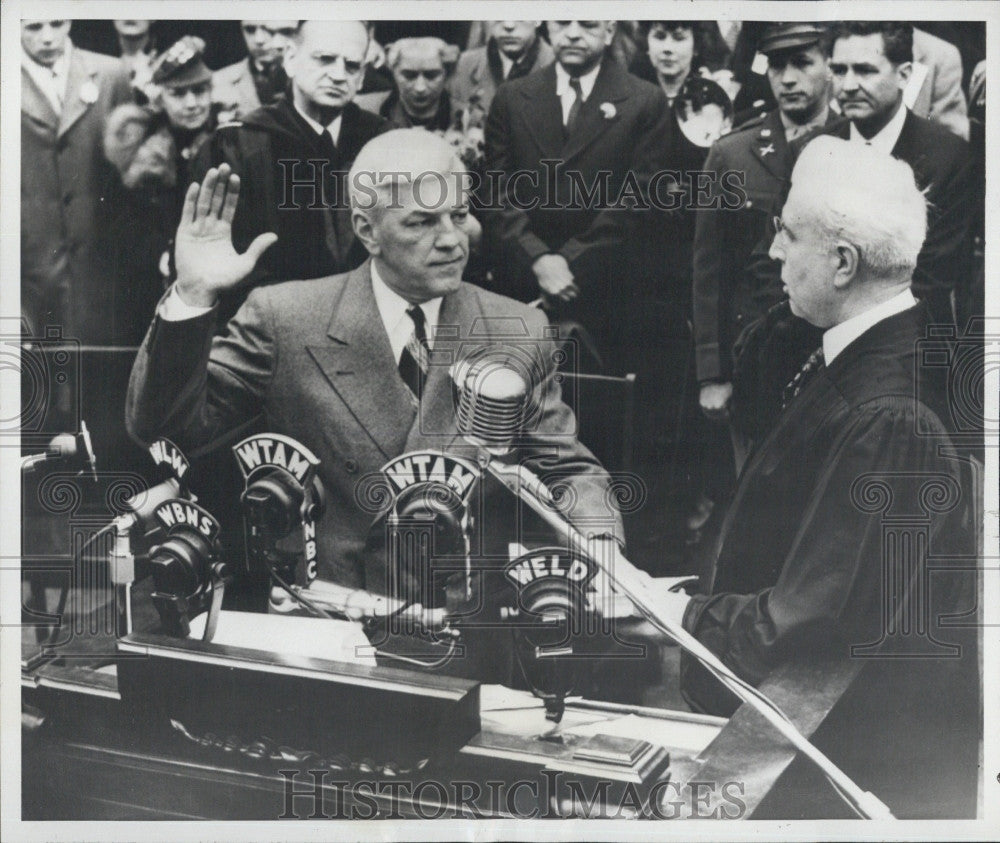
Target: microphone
<point>282,490</point>
<point>492,412</point>
<point>187,574</point>
<point>494,401</point>
<point>550,612</point>
<point>140,513</point>
<point>76,448</point>
<point>425,530</point>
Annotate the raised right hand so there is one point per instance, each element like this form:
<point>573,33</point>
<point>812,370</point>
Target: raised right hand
<point>207,264</point>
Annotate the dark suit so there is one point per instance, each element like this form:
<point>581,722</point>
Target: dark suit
<point>477,76</point>
<point>314,359</point>
<point>732,286</point>
<point>65,187</point>
<point>313,224</point>
<point>943,168</point>
<point>623,133</point>
<point>852,471</point>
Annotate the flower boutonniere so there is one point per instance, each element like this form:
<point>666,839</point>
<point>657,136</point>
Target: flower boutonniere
<point>608,110</point>
<point>89,92</point>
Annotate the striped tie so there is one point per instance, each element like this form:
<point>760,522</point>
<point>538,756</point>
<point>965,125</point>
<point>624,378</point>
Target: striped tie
<point>805,374</point>
<point>415,359</point>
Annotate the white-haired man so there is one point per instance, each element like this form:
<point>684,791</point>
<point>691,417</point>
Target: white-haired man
<point>805,570</point>
<point>333,362</point>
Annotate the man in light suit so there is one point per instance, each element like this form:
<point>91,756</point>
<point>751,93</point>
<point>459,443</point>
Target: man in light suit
<point>66,95</point>
<point>937,83</point>
<point>259,79</point>
<point>569,232</point>
<point>330,361</point>
<point>513,50</point>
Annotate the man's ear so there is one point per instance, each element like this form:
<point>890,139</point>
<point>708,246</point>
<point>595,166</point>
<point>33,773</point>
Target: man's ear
<point>609,34</point>
<point>364,230</point>
<point>287,59</point>
<point>904,71</point>
<point>848,263</point>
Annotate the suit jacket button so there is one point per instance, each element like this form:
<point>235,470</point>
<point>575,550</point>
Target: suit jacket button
<point>749,203</point>
<point>351,466</point>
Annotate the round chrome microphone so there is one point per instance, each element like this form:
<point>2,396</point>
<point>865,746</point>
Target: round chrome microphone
<point>494,401</point>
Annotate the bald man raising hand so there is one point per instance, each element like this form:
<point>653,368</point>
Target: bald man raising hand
<point>321,359</point>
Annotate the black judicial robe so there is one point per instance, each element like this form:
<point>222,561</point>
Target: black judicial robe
<point>799,574</point>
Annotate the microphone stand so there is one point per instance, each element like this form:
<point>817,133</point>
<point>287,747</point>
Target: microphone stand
<point>641,589</point>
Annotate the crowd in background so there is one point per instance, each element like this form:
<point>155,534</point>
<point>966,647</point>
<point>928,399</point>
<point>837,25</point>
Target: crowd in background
<point>118,117</point>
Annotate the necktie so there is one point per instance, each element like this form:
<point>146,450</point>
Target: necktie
<point>805,374</point>
<point>414,361</point>
<point>574,109</point>
<point>328,149</point>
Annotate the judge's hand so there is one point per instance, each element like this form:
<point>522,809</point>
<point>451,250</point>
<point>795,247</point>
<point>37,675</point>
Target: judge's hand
<point>207,264</point>
<point>714,399</point>
<point>555,277</point>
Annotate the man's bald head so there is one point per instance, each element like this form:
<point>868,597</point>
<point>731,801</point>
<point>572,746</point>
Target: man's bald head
<point>402,160</point>
<point>409,206</point>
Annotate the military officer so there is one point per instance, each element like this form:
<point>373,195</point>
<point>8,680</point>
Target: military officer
<point>732,286</point>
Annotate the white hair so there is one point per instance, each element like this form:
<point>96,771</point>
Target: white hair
<point>866,197</point>
<point>447,53</point>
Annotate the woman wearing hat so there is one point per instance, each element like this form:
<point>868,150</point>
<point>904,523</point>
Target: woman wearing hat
<point>152,147</point>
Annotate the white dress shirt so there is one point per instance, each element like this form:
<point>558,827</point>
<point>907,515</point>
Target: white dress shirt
<point>392,308</point>
<point>333,128</point>
<point>566,94</point>
<point>886,139</point>
<point>837,338</point>
<point>52,80</point>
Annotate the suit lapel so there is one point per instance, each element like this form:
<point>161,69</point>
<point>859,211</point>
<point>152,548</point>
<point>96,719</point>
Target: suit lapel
<point>544,112</point>
<point>359,365</point>
<point>609,87</point>
<point>74,106</point>
<point>35,104</point>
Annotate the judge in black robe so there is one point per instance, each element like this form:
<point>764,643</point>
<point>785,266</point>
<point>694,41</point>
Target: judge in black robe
<point>853,519</point>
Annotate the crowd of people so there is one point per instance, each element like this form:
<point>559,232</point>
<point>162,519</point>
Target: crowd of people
<point>760,221</point>
<point>630,175</point>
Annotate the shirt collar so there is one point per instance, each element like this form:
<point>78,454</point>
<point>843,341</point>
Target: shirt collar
<point>796,130</point>
<point>886,139</point>
<point>333,128</point>
<point>506,62</point>
<point>586,81</point>
<point>392,308</point>
<point>837,338</point>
